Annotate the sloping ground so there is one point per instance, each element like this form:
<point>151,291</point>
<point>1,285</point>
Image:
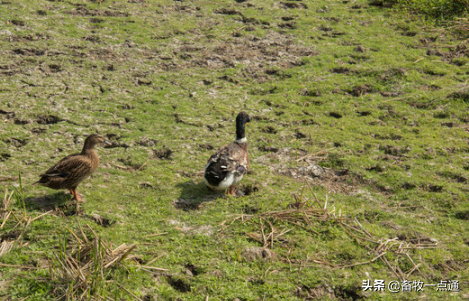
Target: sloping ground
<point>354,104</point>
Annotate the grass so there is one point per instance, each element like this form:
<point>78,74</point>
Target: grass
<point>357,104</point>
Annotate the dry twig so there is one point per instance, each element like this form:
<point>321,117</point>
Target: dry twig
<point>308,213</point>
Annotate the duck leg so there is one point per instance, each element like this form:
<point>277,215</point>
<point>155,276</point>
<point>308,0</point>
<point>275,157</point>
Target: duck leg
<point>231,190</point>
<point>76,195</point>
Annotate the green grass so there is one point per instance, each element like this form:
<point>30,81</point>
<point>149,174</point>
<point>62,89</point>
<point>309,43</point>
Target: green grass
<point>438,9</point>
<point>430,10</point>
<point>369,94</point>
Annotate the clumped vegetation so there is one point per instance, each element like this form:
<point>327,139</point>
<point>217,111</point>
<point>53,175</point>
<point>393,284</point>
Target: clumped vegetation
<point>358,149</point>
<point>431,9</point>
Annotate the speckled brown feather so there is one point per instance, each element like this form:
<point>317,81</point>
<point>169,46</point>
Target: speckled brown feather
<point>70,171</point>
<point>232,155</point>
<point>234,152</point>
<point>226,168</point>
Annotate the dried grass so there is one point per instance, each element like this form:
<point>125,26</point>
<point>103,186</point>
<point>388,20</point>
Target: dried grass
<point>311,213</point>
<point>461,25</point>
<point>83,269</point>
<point>16,221</point>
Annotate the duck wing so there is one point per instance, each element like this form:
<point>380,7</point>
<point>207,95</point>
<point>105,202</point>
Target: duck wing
<point>229,158</point>
<point>68,172</point>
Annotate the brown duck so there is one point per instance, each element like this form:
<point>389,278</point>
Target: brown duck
<point>227,166</point>
<point>73,169</point>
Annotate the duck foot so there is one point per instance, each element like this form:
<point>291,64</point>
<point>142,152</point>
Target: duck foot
<point>239,193</point>
<point>234,191</point>
<point>77,196</point>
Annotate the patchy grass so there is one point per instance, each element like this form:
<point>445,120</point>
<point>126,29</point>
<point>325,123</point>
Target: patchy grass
<point>365,106</point>
<point>433,10</point>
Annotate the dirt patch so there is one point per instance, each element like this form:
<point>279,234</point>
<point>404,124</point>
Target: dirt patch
<point>101,54</point>
<point>335,115</point>
<point>361,90</point>
<point>115,144</point>
<point>269,129</point>
<point>206,146</point>
<point>269,149</point>
<point>348,293</point>
<point>163,154</point>
<point>364,113</point>
<point>193,270</point>
<point>288,25</point>
<point>310,92</point>
<point>249,189</point>
<point>341,70</point>
<point>186,205</point>
<point>395,150</point>
<point>464,215</point>
<point>462,92</point>
<point>433,188</point>
<point>16,142</point>
<point>206,230</point>
<point>250,209</point>
<point>257,55</point>
<point>415,237</point>
<point>130,165</point>
<point>100,220</point>
<point>226,11</point>
<point>9,70</point>
<point>320,291</point>
<point>4,157</point>
<point>308,168</point>
<point>294,5</point>
<point>451,266</point>
<point>453,176</point>
<point>256,253</point>
<point>85,12</point>
<point>391,94</point>
<point>9,115</point>
<point>147,142</point>
<point>337,181</point>
<point>48,119</point>
<point>28,51</point>
<point>21,121</point>
<point>179,284</point>
<point>11,235</point>
<point>299,134</point>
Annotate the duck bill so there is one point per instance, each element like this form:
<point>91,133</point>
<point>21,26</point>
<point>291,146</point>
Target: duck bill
<point>106,142</point>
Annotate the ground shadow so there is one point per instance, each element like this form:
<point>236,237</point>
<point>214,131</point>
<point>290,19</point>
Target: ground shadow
<point>194,194</point>
<point>58,201</point>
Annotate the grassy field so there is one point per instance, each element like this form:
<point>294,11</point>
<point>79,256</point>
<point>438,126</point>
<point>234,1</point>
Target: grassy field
<point>358,150</point>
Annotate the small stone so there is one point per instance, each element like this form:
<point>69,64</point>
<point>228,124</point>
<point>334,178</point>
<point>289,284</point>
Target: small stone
<point>316,171</point>
<point>255,253</point>
<point>5,32</point>
<point>360,48</point>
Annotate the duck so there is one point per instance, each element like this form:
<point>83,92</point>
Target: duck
<point>227,166</point>
<point>69,172</point>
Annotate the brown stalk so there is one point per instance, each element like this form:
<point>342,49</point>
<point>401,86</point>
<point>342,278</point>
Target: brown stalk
<point>17,266</point>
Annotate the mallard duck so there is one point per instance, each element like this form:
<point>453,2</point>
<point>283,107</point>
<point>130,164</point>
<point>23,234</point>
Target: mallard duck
<point>73,169</point>
<point>227,166</point>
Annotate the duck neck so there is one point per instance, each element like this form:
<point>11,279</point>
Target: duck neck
<point>240,130</point>
<point>88,150</point>
<point>240,134</point>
